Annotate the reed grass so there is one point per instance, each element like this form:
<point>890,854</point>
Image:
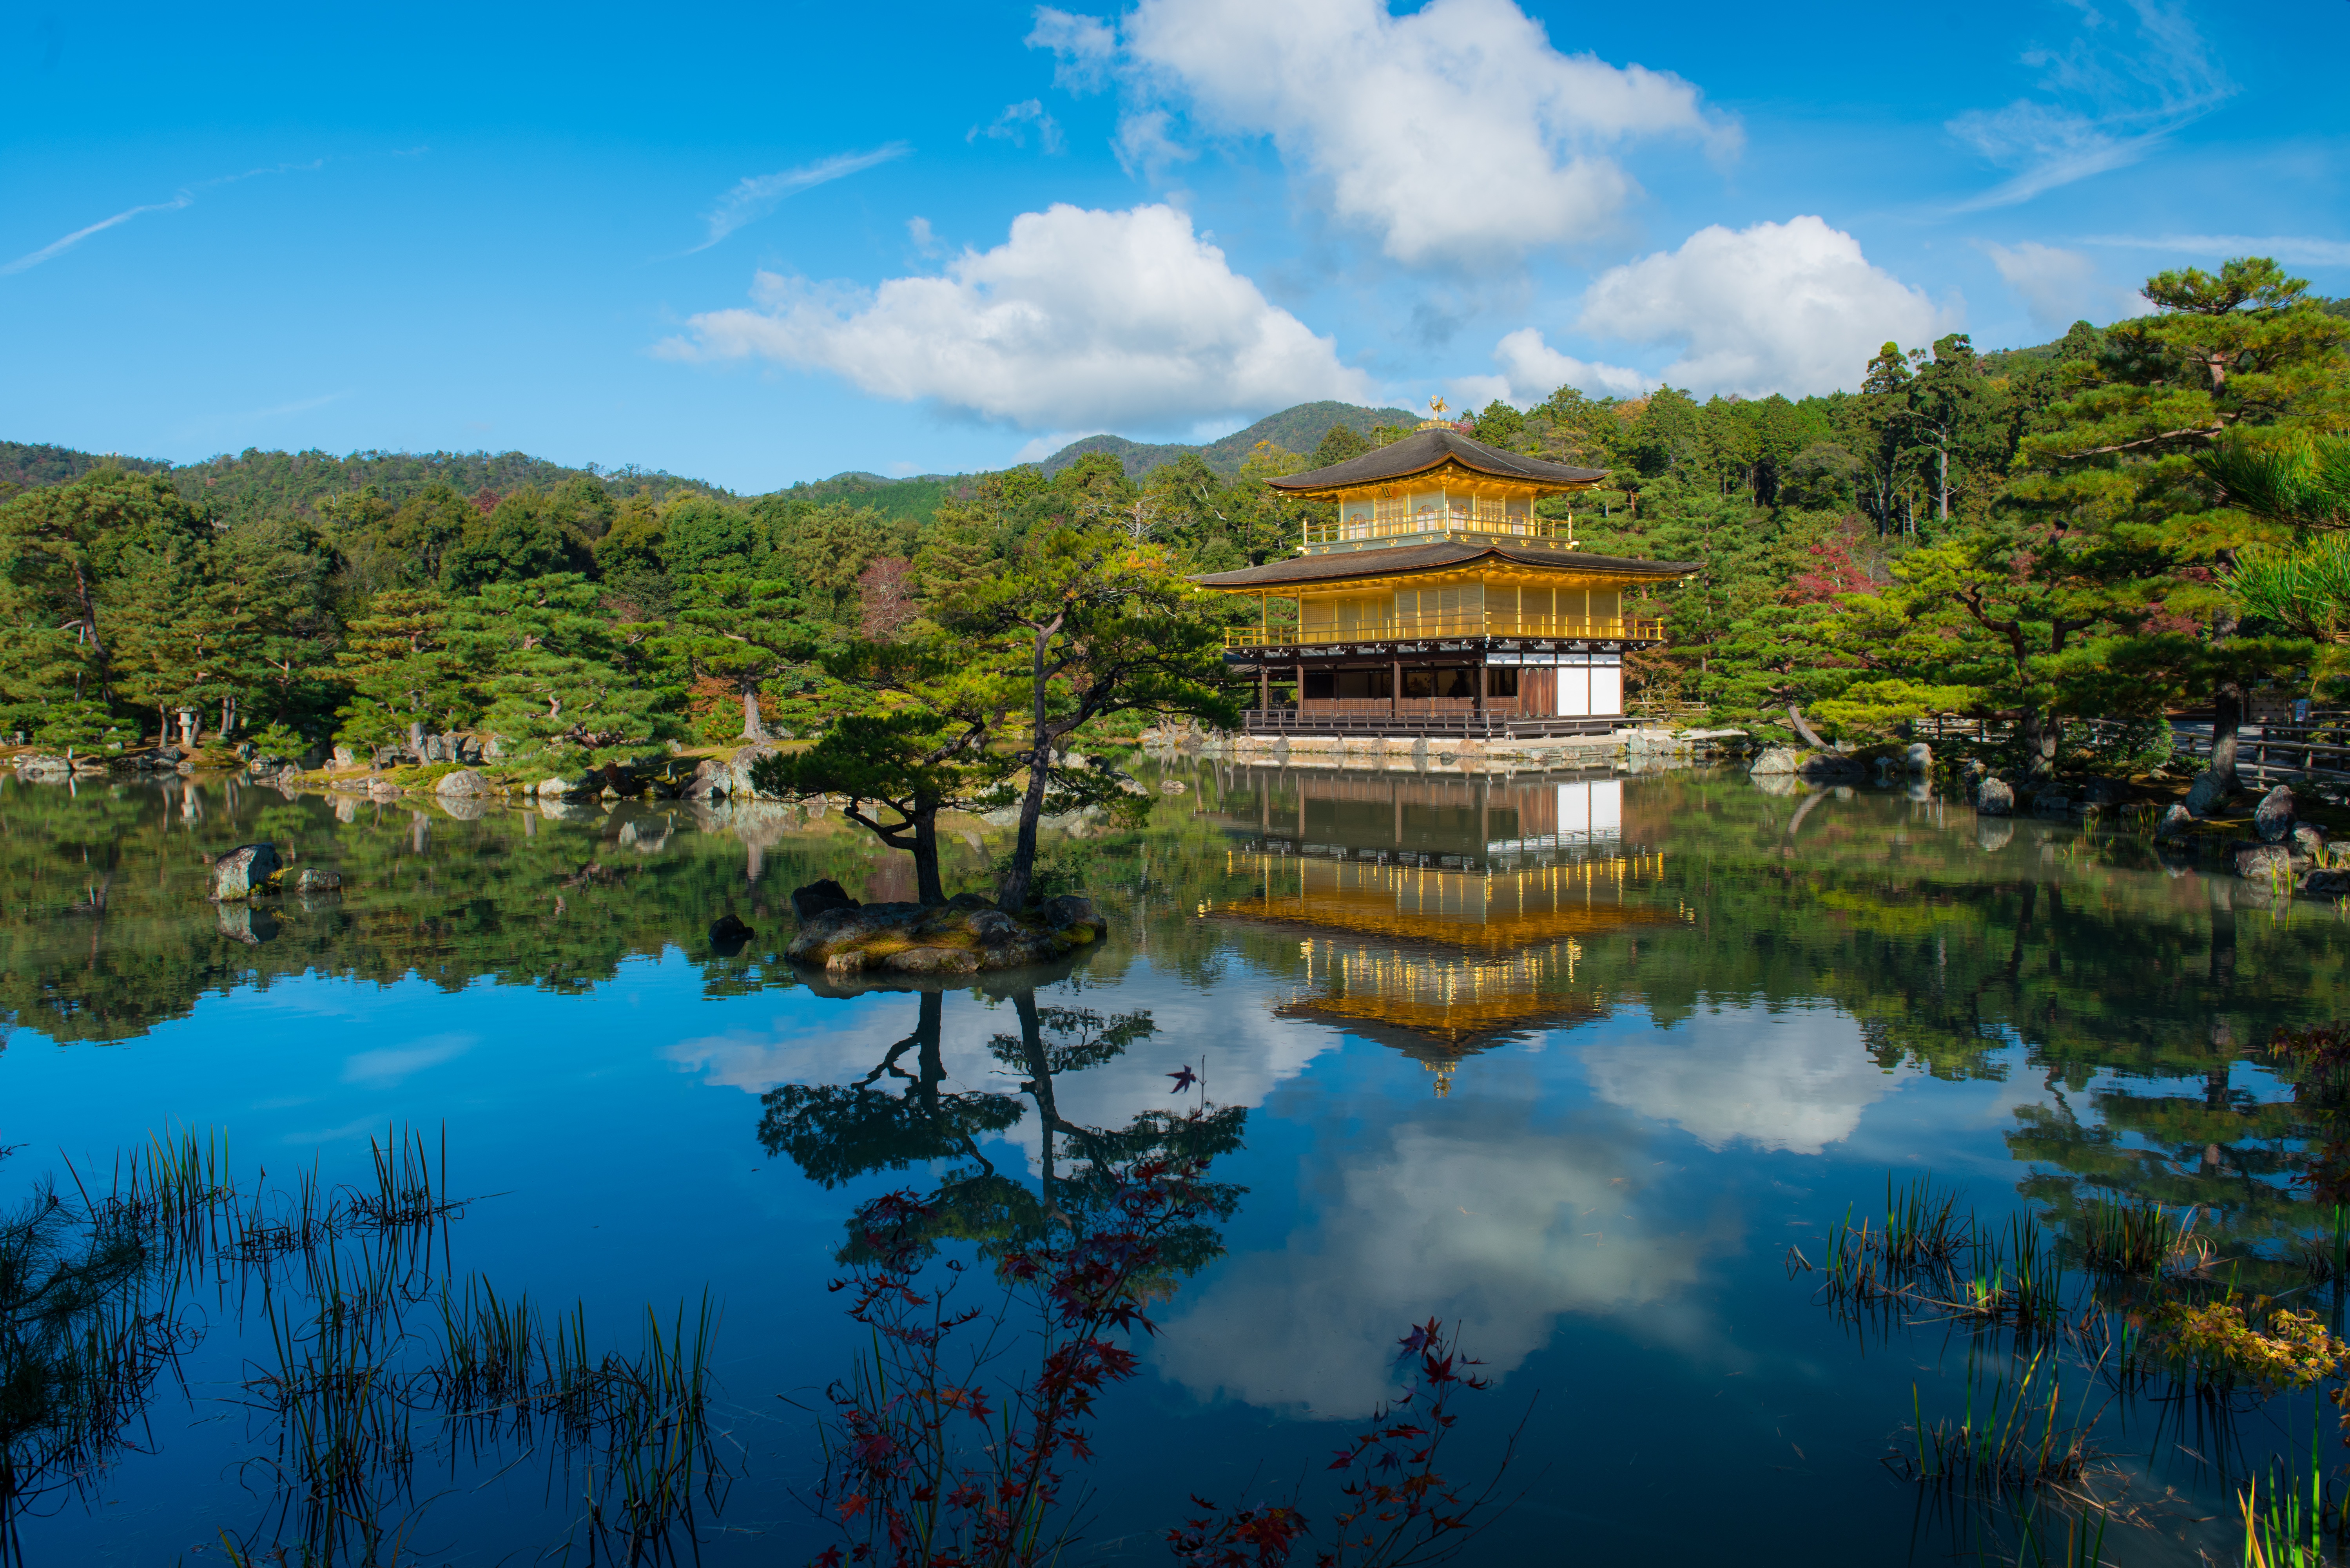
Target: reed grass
<point>2141,1239</point>
<point>2007,1438</point>
<point>92,1313</point>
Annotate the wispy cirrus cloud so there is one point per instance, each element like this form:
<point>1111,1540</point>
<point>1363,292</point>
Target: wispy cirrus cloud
<point>185,197</point>
<point>756,195</point>
<point>1018,121</point>
<point>2293,250</point>
<point>2108,103</point>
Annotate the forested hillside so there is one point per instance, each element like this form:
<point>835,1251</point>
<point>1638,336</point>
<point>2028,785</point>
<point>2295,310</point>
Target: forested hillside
<point>1299,428</point>
<point>24,465</point>
<point>2098,526</point>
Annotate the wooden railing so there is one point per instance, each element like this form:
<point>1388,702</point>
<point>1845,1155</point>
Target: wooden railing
<point>1466,623</point>
<point>1466,724</point>
<point>1434,520</point>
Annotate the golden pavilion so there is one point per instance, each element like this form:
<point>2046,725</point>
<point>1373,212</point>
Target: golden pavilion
<point>1436,601</point>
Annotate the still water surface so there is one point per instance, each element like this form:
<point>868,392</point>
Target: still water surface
<point>1571,1062</point>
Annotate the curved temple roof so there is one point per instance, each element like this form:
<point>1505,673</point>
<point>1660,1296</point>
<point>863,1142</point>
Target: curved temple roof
<point>1430,559</point>
<point>1429,449</point>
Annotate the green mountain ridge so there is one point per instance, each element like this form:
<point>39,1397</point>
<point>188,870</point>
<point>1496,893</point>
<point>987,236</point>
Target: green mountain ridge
<point>254,481</point>
<point>1298,429</point>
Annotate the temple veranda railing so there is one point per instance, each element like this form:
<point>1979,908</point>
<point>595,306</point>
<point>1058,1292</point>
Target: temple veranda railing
<point>1457,624</point>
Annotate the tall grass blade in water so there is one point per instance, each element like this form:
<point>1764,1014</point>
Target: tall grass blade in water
<point>2142,1240</point>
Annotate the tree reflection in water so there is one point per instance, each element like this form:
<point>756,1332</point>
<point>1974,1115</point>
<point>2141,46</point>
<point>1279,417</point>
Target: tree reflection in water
<point>951,1441</point>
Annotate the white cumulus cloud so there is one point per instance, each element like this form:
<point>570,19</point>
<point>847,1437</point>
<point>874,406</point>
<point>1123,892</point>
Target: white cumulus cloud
<point>2059,287</point>
<point>1531,370</point>
<point>1457,133</point>
<point>1791,307</point>
<point>1081,320</point>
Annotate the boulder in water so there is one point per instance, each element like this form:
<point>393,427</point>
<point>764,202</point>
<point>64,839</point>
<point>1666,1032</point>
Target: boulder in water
<point>463,783</point>
<point>1994,798</point>
<point>728,934</point>
<point>1778,760</point>
<point>2273,818</point>
<point>1919,758</point>
<point>2175,822</point>
<point>2262,862</point>
<point>2205,793</point>
<point>820,898</point>
<point>244,871</point>
<point>316,879</point>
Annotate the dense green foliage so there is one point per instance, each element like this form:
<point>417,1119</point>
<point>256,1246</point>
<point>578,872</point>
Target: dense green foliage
<point>2049,532</point>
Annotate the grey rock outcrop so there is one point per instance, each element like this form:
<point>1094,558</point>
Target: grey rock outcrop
<point>2175,821</point>
<point>821,898</point>
<point>1919,758</point>
<point>2273,818</point>
<point>316,879</point>
<point>907,938</point>
<point>2327,884</point>
<point>1994,833</point>
<point>2261,862</point>
<point>2205,793</point>
<point>568,785</point>
<point>464,782</point>
<point>739,782</point>
<point>244,871</point>
<point>2307,838</point>
<point>1778,760</point>
<point>1994,798</point>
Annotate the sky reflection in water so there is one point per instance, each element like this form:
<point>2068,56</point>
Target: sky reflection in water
<point>1571,1064</point>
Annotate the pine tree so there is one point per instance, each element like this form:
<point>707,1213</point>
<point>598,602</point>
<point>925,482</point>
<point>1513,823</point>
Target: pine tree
<point>405,677</point>
<point>564,685</point>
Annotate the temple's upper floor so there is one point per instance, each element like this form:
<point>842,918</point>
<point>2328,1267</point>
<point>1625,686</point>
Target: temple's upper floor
<point>1435,483</point>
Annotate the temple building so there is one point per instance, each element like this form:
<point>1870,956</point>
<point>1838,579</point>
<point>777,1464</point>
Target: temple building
<point>1437,601</point>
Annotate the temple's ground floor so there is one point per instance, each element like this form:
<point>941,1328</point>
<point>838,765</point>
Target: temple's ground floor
<point>1424,689</point>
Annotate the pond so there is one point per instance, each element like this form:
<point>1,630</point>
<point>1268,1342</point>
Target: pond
<point>1586,1070</point>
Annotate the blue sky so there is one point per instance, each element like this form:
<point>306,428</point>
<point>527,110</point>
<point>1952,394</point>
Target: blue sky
<point>761,245</point>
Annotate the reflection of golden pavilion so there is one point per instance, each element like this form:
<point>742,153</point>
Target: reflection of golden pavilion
<point>1439,946</point>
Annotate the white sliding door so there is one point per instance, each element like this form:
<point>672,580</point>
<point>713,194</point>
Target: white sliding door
<point>1607,689</point>
<point>1573,690</point>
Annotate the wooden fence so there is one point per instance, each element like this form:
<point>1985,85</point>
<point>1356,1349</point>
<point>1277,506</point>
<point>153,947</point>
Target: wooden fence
<point>2316,746</point>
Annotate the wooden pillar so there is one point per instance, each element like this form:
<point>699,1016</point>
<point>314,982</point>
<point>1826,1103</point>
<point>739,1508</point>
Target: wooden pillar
<point>1395,687</point>
<point>1263,684</point>
<point>1301,688</point>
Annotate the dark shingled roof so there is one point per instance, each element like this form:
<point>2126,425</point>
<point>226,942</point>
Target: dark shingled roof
<point>1398,558</point>
<point>1424,450</point>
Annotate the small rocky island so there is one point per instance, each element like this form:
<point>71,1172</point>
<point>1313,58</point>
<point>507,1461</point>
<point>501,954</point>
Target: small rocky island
<point>965,936</point>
